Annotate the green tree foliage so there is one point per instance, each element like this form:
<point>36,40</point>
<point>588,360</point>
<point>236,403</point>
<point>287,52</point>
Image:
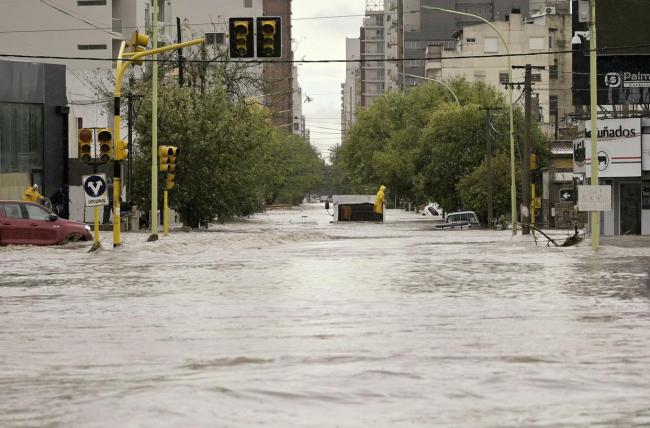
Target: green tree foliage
<point>421,144</point>
<point>473,187</point>
<point>231,159</point>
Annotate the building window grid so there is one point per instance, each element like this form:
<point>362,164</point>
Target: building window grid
<point>92,47</point>
<point>91,3</point>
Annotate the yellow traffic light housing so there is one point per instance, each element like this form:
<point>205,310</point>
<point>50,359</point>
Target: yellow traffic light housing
<point>120,149</point>
<point>167,155</point>
<point>137,44</point>
<point>169,181</point>
<point>269,37</point>
<point>105,141</point>
<point>86,142</point>
<point>241,38</point>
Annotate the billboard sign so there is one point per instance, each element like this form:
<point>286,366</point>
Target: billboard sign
<point>623,53</point>
<point>619,148</point>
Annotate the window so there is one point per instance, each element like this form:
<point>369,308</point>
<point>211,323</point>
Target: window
<point>504,77</point>
<point>470,40</point>
<point>21,137</point>
<point>13,211</point>
<point>491,45</point>
<point>34,212</point>
<point>554,72</point>
<point>215,38</point>
<point>553,103</point>
<point>412,44</point>
<point>91,47</point>
<point>536,77</point>
<point>536,43</point>
<point>248,3</point>
<point>91,3</point>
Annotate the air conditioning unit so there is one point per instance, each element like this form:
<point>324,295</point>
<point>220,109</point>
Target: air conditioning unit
<point>550,11</point>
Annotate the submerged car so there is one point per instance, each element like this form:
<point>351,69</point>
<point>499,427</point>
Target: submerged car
<point>28,223</point>
<point>461,219</point>
<point>434,211</point>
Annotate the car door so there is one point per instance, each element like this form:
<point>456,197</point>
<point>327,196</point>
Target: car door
<point>43,231</point>
<point>14,227</point>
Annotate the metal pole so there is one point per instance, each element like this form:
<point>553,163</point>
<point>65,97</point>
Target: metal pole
<point>165,214</point>
<point>180,52</point>
<point>513,186</point>
<point>593,69</point>
<point>117,165</point>
<point>525,162</point>
<point>95,214</point>
<point>154,129</point>
<point>437,81</point>
<point>129,161</point>
<point>489,168</point>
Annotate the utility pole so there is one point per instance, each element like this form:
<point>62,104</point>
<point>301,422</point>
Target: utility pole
<point>488,157</point>
<point>154,129</point>
<point>526,199</point>
<point>179,35</point>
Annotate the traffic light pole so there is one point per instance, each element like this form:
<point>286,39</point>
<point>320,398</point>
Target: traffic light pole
<point>165,213</point>
<point>119,76</point>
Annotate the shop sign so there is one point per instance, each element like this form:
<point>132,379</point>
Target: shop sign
<point>619,148</point>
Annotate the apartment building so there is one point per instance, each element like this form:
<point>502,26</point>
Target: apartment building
<point>539,34</point>
<point>351,89</point>
<point>371,46</point>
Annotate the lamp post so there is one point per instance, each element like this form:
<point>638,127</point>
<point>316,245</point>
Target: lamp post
<point>437,81</point>
<point>593,69</point>
<point>513,187</point>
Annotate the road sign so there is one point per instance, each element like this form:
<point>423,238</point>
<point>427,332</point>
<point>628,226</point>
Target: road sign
<point>594,198</point>
<point>566,195</point>
<point>95,190</point>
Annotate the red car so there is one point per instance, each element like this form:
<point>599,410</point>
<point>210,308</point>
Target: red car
<point>29,223</point>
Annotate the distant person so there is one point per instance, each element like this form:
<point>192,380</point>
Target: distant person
<point>31,194</point>
<point>108,208</point>
<point>60,201</point>
<point>379,204</point>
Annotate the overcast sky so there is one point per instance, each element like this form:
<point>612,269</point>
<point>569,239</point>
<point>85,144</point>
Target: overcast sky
<point>323,39</point>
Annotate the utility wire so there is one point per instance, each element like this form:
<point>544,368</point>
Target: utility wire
<point>333,61</point>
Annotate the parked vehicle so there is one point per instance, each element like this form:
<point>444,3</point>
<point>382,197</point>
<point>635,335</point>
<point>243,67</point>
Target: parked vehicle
<point>31,224</point>
<point>433,210</point>
<point>461,219</point>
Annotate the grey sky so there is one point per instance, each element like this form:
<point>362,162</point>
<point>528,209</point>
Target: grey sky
<point>323,39</point>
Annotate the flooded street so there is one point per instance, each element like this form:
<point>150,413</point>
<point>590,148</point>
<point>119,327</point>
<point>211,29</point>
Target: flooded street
<point>277,321</point>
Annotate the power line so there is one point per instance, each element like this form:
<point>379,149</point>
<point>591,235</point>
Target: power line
<point>306,18</point>
<point>333,61</point>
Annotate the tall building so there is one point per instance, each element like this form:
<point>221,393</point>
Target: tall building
<point>278,75</point>
<point>371,45</point>
<point>351,89</point>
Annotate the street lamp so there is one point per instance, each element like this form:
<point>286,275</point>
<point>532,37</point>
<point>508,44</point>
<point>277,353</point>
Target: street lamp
<point>434,80</point>
<point>513,188</point>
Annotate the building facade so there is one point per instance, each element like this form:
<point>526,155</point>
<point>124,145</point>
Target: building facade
<point>34,126</point>
<point>535,36</point>
<point>351,88</point>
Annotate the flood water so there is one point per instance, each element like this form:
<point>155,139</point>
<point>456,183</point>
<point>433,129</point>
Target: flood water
<point>276,321</point>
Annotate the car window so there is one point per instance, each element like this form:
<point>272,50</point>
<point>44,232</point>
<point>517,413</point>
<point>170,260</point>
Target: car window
<point>464,217</point>
<point>13,211</point>
<point>472,218</point>
<point>34,212</point>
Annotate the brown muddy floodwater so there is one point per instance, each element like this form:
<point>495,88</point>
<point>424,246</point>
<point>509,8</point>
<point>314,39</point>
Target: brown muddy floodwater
<point>274,322</point>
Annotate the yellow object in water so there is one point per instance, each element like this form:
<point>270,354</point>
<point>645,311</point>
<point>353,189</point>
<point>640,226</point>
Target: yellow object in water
<point>379,200</point>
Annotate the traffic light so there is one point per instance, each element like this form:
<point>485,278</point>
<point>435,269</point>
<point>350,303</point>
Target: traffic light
<point>120,149</point>
<point>241,38</point>
<point>269,37</point>
<point>169,181</point>
<point>86,141</point>
<point>167,156</point>
<point>105,141</point>
<point>137,44</point>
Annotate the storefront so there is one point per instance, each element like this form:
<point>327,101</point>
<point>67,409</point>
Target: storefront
<point>624,164</point>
